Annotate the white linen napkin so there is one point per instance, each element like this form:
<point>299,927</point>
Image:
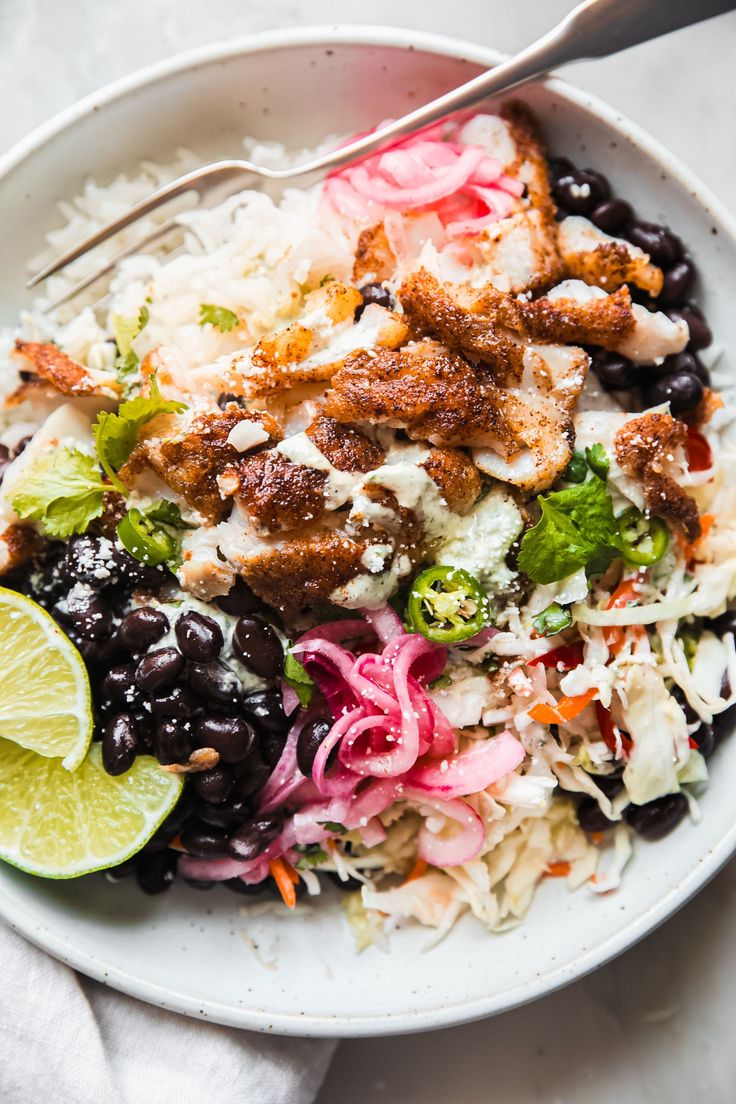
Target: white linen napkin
<point>70,1040</point>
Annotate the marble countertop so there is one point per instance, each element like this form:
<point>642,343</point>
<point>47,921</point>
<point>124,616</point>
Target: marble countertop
<point>656,1025</point>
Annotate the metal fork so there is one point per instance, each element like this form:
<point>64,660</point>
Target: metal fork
<point>594,29</point>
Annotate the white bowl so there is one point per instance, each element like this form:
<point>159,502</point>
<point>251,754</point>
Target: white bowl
<point>186,950</point>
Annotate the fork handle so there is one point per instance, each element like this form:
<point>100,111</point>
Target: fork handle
<point>594,29</point>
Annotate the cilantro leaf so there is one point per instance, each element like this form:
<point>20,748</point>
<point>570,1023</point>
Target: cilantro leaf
<point>295,674</point>
<point>125,330</point>
<point>577,470</point>
<point>219,317</point>
<point>116,434</point>
<point>63,491</point>
<point>168,513</point>
<point>597,460</point>
<point>575,524</point>
<point>332,826</point>
<point>552,620</point>
<point>311,855</point>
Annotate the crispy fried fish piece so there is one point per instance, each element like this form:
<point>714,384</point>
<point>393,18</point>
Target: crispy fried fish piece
<point>590,255</point>
<point>190,459</point>
<point>347,448</point>
<point>560,320</point>
<point>374,258</point>
<point>456,476</point>
<point>431,311</point>
<point>47,364</point>
<point>424,388</point>
<point>644,450</point>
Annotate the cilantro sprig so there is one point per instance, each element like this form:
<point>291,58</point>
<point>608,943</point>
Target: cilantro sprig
<point>116,433</point>
<point>576,524</point>
<point>221,318</point>
<point>125,330</point>
<point>296,676</point>
<point>64,491</point>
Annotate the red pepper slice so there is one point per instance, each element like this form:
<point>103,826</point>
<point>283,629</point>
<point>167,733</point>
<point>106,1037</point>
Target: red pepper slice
<point>699,455</point>
<point>608,730</point>
<point>566,656</point>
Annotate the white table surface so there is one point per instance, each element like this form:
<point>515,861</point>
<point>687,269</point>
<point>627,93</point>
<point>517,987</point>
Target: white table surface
<point>657,1024</point>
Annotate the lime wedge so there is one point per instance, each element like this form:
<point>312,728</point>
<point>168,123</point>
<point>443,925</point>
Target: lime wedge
<point>45,702</point>
<point>59,824</point>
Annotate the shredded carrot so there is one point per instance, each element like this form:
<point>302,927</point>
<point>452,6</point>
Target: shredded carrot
<point>285,877</point>
<point>177,845</point>
<point>596,837</point>
<point>690,549</point>
<point>558,870</point>
<point>419,868</point>
<point>566,709</point>
<point>615,637</point>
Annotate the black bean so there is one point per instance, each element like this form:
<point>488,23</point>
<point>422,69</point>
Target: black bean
<point>681,362</point>
<point>258,647</point>
<point>226,815</point>
<point>700,332</point>
<point>199,637</point>
<point>172,742</point>
<point>227,397</point>
<point>271,747</point>
<point>88,613</point>
<point>215,681</point>
<point>232,737</point>
<point>705,738</point>
<point>239,600</point>
<point>194,883</point>
<point>611,215</point>
<point>581,190</point>
<point>246,889</point>
<point>119,685</point>
<point>253,837</point>
<point>374,293</point>
<point>682,390</point>
<point>156,872</point>
<point>203,841</point>
<point>253,779</point>
<point>723,723</point>
<point>590,817</point>
<point>559,166</point>
<point>181,812</point>
<point>176,701</point>
<point>311,738</point>
<point>657,818</point>
<point>123,869</point>
<point>724,624</point>
<point>158,669</point>
<point>135,574</point>
<point>101,654</point>
<point>266,709</point>
<point>214,786</point>
<point>609,784</point>
<point>89,560</point>
<point>663,247</point>
<point>679,695</point>
<point>615,372</point>
<point>119,744</point>
<point>678,282</point>
<point>142,628</point>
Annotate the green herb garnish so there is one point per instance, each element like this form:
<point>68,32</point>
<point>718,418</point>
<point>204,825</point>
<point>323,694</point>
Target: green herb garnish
<point>63,491</point>
<point>576,524</point>
<point>116,434</point>
<point>552,620</point>
<point>295,674</point>
<point>219,317</point>
<point>598,461</point>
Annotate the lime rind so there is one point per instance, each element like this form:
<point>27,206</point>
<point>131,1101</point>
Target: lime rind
<point>60,824</point>
<point>45,697</point>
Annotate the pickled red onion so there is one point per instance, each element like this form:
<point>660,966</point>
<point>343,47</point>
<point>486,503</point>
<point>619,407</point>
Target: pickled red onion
<point>469,771</point>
